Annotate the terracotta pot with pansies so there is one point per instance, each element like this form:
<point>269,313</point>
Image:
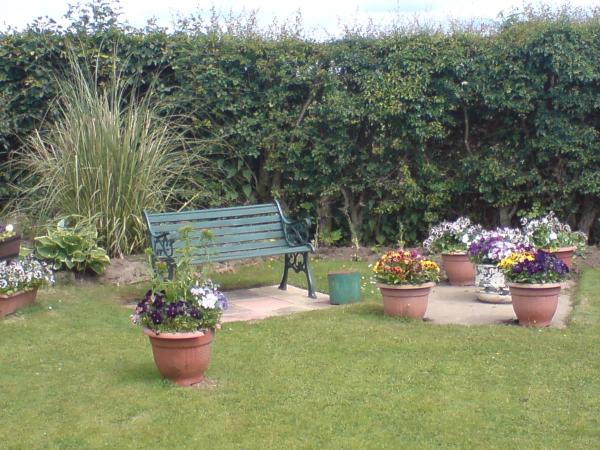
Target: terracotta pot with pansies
<point>180,316</point>
<point>534,281</point>
<point>405,280</point>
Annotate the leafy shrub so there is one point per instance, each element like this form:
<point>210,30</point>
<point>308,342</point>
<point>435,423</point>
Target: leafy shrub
<point>108,156</point>
<point>73,248</point>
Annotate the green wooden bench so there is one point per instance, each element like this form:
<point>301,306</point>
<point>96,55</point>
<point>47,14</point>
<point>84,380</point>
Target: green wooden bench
<point>237,233</point>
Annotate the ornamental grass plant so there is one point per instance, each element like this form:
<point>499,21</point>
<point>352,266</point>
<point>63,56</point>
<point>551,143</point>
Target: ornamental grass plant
<point>110,154</point>
<point>405,267</point>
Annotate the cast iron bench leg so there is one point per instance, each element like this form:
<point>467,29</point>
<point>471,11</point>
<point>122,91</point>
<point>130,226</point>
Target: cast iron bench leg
<point>293,261</point>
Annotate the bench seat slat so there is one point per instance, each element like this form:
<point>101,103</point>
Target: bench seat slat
<point>215,225</point>
<point>254,254</point>
<point>217,213</point>
<point>234,239</point>
<point>219,249</point>
<point>242,230</point>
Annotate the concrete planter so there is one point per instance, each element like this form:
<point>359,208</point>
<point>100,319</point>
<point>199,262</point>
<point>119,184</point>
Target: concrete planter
<point>491,284</point>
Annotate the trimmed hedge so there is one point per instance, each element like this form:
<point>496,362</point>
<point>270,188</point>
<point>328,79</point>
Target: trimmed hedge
<point>377,136</point>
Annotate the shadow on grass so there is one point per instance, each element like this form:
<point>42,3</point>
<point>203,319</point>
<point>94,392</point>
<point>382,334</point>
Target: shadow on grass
<point>142,372</point>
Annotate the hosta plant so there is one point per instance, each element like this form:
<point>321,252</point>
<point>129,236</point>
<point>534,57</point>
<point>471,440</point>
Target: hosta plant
<point>73,248</point>
<point>24,274</point>
<point>187,302</point>
<point>451,237</point>
<point>405,267</point>
<point>533,267</point>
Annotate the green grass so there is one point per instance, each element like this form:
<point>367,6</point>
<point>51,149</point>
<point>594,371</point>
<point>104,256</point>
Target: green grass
<point>80,376</point>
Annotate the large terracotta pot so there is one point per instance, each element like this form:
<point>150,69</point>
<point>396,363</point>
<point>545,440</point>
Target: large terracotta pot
<point>535,304</point>
<point>181,357</point>
<point>491,285</point>
<point>459,269</point>
<point>10,303</point>
<point>407,300</point>
<point>9,248</point>
<point>565,254</point>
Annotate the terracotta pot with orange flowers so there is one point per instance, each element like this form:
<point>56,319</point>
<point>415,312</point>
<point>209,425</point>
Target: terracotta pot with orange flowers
<point>405,279</point>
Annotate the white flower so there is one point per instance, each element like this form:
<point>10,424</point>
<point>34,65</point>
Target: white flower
<point>209,301</point>
<point>465,239</point>
<point>553,236</point>
<point>464,83</point>
<point>9,228</point>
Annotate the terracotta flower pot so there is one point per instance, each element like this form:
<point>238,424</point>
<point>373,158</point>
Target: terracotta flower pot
<point>9,248</point>
<point>491,284</point>
<point>534,304</point>
<point>565,254</point>
<point>10,303</point>
<point>406,300</point>
<point>181,357</point>
<point>459,269</point>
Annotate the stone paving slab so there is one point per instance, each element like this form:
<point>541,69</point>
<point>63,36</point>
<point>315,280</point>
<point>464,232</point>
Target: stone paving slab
<point>447,305</point>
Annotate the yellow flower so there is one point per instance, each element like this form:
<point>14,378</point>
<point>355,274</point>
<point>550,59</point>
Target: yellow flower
<point>429,265</point>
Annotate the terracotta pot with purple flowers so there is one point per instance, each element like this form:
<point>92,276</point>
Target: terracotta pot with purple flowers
<point>534,281</point>
<point>19,283</point>
<point>452,239</point>
<point>180,316</point>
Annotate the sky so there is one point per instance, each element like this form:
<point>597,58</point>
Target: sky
<point>322,17</point>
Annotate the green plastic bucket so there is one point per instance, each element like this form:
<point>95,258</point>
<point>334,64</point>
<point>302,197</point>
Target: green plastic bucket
<point>344,287</point>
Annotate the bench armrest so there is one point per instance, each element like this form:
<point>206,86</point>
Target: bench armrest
<point>297,233</point>
<point>163,242</point>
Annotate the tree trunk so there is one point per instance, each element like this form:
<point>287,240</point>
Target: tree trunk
<point>589,212</point>
<point>506,214</point>
<point>353,210</point>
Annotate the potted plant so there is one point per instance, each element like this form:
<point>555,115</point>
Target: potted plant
<point>10,242</point>
<point>180,316</point>
<point>486,251</point>
<point>452,239</point>
<point>553,236</point>
<point>534,281</point>
<point>19,282</point>
<point>405,279</point>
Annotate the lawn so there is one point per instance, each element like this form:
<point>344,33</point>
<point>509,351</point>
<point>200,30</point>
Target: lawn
<point>75,374</point>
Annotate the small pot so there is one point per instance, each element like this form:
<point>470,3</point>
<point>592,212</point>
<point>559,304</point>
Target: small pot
<point>491,284</point>
<point>181,357</point>
<point>405,300</point>
<point>9,248</point>
<point>565,254</point>
<point>459,269</point>
<point>534,304</point>
<point>10,303</point>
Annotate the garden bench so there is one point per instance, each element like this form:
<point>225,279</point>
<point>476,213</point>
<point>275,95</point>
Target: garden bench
<point>236,233</point>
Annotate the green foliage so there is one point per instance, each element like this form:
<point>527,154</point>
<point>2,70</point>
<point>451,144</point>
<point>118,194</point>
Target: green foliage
<point>109,155</point>
<point>401,128</point>
<point>73,248</point>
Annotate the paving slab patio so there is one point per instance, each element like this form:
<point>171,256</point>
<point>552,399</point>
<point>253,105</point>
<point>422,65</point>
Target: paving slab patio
<point>447,305</point>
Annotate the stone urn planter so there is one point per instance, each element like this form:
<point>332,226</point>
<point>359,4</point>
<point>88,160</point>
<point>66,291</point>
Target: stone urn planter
<point>491,284</point>
<point>181,357</point>
<point>534,304</point>
<point>459,269</point>
<point>9,248</point>
<point>405,300</point>
<point>565,254</point>
<point>10,303</point>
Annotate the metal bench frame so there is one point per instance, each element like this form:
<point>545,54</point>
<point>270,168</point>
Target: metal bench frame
<point>296,235</point>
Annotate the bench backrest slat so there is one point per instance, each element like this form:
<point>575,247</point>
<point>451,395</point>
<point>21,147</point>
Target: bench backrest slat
<point>215,213</point>
<point>217,225</point>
